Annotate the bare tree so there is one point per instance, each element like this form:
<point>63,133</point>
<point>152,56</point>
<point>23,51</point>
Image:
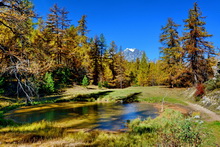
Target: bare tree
<point>15,16</point>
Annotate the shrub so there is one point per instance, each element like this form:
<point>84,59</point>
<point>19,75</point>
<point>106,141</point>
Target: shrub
<point>100,85</point>
<point>213,84</point>
<point>172,129</point>
<point>210,85</point>
<point>105,84</point>
<point>200,91</point>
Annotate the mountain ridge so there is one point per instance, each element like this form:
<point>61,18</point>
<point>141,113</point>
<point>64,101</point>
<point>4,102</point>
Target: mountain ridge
<point>131,54</point>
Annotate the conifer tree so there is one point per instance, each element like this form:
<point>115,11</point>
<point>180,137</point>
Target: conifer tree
<point>102,52</point>
<point>85,81</point>
<point>57,23</point>
<point>82,28</point>
<point>84,46</point>
<point>111,56</point>
<point>16,20</point>
<point>120,69</point>
<point>143,72</point>
<point>95,60</point>
<point>171,50</point>
<point>196,48</point>
<point>48,83</point>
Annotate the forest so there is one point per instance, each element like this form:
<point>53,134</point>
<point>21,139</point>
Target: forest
<point>42,56</point>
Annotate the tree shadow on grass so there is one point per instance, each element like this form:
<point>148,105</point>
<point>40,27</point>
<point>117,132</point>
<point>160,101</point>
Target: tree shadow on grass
<point>133,97</point>
<point>8,99</point>
<point>95,96</point>
<point>89,97</point>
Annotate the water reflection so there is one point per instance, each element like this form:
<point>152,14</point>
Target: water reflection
<point>107,116</point>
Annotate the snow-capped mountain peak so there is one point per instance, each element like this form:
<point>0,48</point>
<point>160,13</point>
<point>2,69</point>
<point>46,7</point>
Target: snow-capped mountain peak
<point>130,49</point>
<point>131,54</point>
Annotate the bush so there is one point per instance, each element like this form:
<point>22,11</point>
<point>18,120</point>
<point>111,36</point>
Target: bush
<point>213,84</point>
<point>100,85</point>
<point>200,91</point>
<point>105,84</point>
<point>210,85</point>
<point>172,129</point>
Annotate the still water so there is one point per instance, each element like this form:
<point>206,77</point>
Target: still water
<point>106,116</point>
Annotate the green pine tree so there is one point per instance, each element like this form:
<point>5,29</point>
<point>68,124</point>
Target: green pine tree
<point>85,81</point>
<point>49,83</point>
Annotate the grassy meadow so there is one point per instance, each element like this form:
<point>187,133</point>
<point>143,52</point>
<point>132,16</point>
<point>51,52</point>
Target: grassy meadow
<point>171,128</point>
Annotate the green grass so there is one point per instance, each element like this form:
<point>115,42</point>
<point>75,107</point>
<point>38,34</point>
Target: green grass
<point>169,129</point>
<point>154,94</point>
<point>214,127</point>
<point>45,130</point>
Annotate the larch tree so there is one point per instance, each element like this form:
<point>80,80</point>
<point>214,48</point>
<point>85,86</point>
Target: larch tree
<point>57,23</point>
<point>111,57</point>
<point>82,27</point>
<point>171,50</point>
<point>84,45</point>
<point>197,49</point>
<point>16,20</point>
<point>143,71</point>
<point>95,60</point>
<point>120,69</point>
<point>102,52</point>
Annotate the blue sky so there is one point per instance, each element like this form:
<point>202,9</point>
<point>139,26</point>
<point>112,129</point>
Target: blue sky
<point>135,23</point>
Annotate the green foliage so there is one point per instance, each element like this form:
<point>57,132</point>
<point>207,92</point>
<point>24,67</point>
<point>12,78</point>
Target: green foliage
<point>85,81</point>
<point>4,122</point>
<point>105,84</point>
<point>48,83</point>
<point>140,127</point>
<point>212,84</point>
<point>2,81</point>
<point>63,74</point>
<point>172,129</point>
<point>100,85</point>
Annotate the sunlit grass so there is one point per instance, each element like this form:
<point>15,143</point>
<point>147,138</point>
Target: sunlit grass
<point>28,127</point>
<point>154,94</point>
<point>214,127</point>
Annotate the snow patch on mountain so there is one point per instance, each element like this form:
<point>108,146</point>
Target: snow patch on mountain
<point>130,49</point>
<point>131,54</point>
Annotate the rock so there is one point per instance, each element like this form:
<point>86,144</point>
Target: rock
<point>206,101</point>
<point>197,117</point>
<point>218,108</point>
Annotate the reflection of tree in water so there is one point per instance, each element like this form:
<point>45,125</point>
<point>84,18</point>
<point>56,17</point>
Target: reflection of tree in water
<point>103,116</point>
<point>117,117</point>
